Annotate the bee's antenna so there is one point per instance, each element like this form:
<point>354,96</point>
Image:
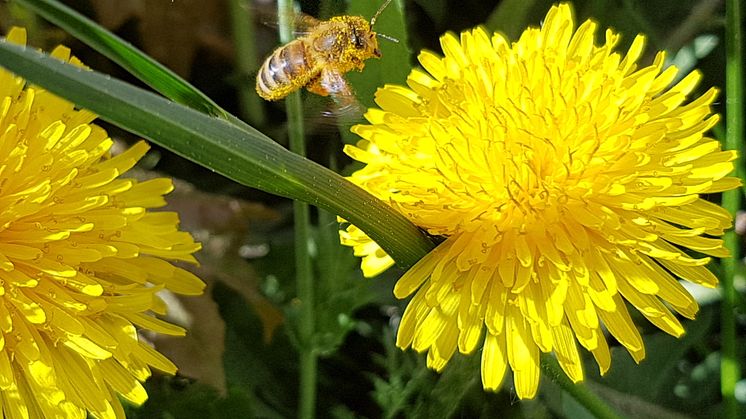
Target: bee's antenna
<point>380,9</point>
<point>388,38</point>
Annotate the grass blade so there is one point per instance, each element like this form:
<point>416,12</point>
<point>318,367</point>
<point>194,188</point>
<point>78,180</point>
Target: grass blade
<point>133,60</point>
<point>239,153</point>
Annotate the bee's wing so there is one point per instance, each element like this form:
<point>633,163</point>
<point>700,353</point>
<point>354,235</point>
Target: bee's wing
<point>347,109</point>
<point>303,24</point>
<point>325,116</point>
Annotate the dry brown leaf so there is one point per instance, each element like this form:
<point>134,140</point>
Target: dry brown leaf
<point>172,32</point>
<point>221,224</point>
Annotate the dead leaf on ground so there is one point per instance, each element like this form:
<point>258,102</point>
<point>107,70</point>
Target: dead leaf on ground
<point>172,32</point>
<point>221,224</point>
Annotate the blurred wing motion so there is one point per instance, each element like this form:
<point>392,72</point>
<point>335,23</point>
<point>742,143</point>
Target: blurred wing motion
<point>303,24</point>
<point>333,83</point>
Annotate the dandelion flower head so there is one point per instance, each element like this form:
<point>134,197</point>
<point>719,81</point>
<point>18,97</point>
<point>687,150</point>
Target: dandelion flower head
<point>565,180</point>
<point>81,260</point>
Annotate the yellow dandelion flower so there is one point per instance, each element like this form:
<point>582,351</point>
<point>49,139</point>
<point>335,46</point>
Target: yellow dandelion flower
<point>81,260</point>
<point>566,181</point>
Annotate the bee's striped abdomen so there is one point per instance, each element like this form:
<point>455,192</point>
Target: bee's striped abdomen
<point>286,70</point>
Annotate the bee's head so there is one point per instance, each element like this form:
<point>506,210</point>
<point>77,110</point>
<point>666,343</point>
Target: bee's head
<point>376,51</point>
<point>360,41</point>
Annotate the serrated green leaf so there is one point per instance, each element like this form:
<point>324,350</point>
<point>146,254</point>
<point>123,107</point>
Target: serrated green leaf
<point>339,289</point>
<point>459,378</point>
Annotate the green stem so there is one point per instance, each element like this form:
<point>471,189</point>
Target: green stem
<point>304,278</point>
<point>304,273</point>
<point>730,371</point>
<point>244,40</point>
<point>597,407</point>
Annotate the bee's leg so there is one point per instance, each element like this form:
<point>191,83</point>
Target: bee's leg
<point>348,109</point>
<point>314,86</point>
<point>331,82</point>
<point>336,85</point>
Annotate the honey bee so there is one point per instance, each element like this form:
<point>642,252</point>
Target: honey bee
<point>319,59</point>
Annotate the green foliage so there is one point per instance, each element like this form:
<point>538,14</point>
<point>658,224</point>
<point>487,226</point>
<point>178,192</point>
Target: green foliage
<point>178,397</point>
<point>396,65</point>
<point>256,368</point>
<point>361,372</point>
<point>679,375</point>
<point>134,61</point>
<point>229,147</point>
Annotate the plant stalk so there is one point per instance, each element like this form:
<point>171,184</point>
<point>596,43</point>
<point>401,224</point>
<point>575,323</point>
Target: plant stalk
<point>730,370</point>
<point>597,407</point>
<point>303,269</point>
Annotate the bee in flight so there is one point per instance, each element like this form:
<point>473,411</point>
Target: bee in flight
<point>319,59</point>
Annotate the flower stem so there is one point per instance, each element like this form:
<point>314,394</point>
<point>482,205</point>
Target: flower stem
<point>734,111</point>
<point>303,269</point>
<point>597,407</point>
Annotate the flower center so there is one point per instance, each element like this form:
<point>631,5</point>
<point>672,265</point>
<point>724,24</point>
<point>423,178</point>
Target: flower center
<point>520,153</point>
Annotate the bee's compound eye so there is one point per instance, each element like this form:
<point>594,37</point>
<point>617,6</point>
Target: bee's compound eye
<point>357,41</point>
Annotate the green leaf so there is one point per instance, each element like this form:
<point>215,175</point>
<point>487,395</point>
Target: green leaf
<point>239,153</point>
<point>178,397</point>
<point>123,53</point>
<point>436,10</point>
<point>662,382</point>
<point>339,286</point>
<point>253,366</point>
<point>394,65</point>
<point>449,392</point>
<point>392,68</point>
<point>510,16</point>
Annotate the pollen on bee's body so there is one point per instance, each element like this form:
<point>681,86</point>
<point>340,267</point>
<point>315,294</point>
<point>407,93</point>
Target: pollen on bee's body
<point>318,60</point>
